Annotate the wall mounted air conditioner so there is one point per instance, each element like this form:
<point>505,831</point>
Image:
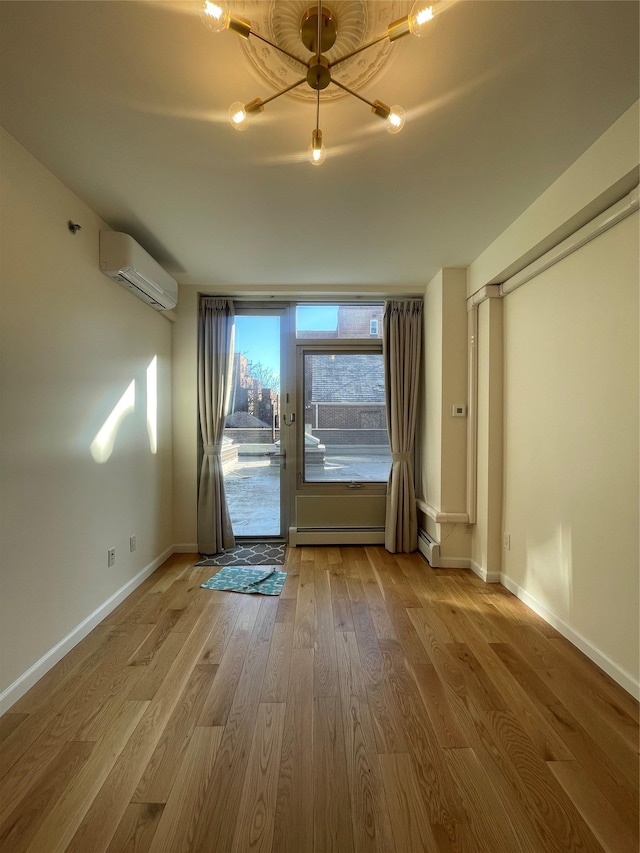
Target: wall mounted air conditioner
<point>126,262</point>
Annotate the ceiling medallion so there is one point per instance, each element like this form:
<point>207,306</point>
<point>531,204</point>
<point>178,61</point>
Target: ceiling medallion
<point>331,48</point>
<point>358,21</point>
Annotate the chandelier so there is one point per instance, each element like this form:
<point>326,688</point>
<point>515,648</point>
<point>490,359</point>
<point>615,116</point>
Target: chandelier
<point>318,32</point>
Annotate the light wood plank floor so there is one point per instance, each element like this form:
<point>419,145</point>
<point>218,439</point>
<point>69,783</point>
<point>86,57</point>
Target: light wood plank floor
<point>377,705</point>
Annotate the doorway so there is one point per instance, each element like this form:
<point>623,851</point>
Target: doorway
<point>344,458</point>
<point>254,452</point>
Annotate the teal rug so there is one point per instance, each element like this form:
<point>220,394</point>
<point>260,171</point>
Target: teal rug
<point>266,580</point>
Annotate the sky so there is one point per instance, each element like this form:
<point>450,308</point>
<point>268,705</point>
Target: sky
<point>259,339</point>
<point>258,336</point>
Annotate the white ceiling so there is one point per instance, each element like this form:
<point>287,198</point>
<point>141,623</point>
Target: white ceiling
<point>126,102</point>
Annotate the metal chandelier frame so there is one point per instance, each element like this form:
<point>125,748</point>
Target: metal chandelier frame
<point>318,32</point>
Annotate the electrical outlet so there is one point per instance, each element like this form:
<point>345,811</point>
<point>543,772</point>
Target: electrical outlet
<point>111,557</point>
<point>507,541</point>
<point>132,543</point>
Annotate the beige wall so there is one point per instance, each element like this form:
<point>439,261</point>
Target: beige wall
<point>441,480</point>
<point>454,390</point>
<point>571,442</point>
<point>560,357</point>
<point>72,342</point>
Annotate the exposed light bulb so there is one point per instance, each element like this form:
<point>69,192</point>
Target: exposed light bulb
<point>316,152</point>
<point>396,119</point>
<point>421,13</point>
<point>238,116</point>
<point>214,14</point>
<point>424,15</point>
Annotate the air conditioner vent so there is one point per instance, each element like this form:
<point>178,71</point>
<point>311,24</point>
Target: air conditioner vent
<point>126,262</point>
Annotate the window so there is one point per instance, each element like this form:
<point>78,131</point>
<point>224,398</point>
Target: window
<point>345,431</point>
<point>339,322</point>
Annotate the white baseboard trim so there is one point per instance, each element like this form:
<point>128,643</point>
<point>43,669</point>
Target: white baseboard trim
<point>487,575</point>
<point>15,691</point>
<point>454,562</point>
<point>188,548</point>
<point>600,658</point>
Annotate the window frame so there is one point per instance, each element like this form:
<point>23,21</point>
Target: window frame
<point>327,346</point>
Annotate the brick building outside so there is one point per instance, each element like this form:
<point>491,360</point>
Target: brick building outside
<point>353,321</point>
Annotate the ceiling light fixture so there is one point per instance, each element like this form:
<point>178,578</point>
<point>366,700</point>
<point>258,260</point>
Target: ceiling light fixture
<point>318,32</point>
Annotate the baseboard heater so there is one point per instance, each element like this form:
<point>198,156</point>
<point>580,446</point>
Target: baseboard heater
<point>429,548</point>
<point>336,536</point>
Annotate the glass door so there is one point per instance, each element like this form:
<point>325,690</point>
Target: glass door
<point>254,451</point>
<point>344,459</point>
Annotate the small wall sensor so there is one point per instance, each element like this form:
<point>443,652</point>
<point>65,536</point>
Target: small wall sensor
<point>458,411</point>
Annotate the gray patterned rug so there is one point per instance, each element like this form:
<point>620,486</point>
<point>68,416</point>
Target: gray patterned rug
<point>248,554</point>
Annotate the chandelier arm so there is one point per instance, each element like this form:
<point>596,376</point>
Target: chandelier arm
<point>358,50</point>
<point>318,110</point>
<point>283,91</point>
<point>351,92</point>
<point>277,47</point>
<point>319,43</point>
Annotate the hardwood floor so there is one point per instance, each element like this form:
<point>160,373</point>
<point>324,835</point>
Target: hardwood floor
<point>377,705</point>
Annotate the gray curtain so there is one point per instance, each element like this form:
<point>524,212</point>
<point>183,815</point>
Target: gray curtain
<point>215,370</point>
<point>401,345</point>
